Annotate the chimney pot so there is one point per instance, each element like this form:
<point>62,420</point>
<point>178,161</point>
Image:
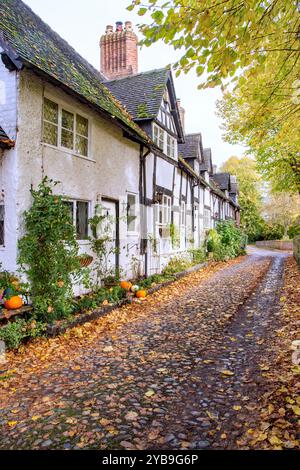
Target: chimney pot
<point>128,25</point>
<point>109,29</point>
<point>119,26</point>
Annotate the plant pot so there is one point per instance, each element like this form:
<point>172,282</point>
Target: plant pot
<point>85,261</point>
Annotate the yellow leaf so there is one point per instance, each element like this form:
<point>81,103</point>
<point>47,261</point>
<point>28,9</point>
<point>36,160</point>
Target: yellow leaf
<point>296,410</point>
<point>150,393</point>
<point>261,437</point>
<point>227,372</point>
<point>35,418</point>
<point>237,407</point>
<point>274,440</point>
<point>264,367</point>
<point>11,424</point>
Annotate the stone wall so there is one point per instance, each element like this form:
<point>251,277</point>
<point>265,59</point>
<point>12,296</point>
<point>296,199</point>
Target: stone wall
<point>276,245</point>
<point>297,249</point>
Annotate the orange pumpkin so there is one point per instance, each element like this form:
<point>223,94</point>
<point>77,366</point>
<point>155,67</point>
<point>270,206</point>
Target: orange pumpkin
<point>13,303</point>
<point>141,294</point>
<point>126,285</point>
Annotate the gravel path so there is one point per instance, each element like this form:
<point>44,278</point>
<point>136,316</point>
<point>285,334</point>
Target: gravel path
<point>184,370</point>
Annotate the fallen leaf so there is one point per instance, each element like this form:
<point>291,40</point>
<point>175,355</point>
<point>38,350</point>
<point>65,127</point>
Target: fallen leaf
<point>227,372</point>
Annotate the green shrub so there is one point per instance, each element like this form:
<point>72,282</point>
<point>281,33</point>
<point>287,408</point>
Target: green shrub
<point>198,255</point>
<point>14,333</point>
<point>272,232</point>
<point>213,241</point>
<point>176,265</point>
<point>293,231</point>
<point>226,241</point>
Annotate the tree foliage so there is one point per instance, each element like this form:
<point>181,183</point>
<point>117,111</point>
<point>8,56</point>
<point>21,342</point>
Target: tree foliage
<point>283,209</point>
<point>250,193</point>
<point>254,45</point>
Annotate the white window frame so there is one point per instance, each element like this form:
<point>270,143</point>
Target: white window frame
<point>206,219</point>
<point>165,209</point>
<point>74,215</point>
<point>61,107</point>
<point>135,206</point>
<point>164,141</point>
<point>183,214</point>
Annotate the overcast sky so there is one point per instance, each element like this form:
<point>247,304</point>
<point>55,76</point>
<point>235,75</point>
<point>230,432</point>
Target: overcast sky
<point>82,22</point>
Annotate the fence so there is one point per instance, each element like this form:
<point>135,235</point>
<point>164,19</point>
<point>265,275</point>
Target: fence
<point>297,249</point>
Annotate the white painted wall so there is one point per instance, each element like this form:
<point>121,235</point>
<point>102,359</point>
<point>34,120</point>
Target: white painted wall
<point>8,166</point>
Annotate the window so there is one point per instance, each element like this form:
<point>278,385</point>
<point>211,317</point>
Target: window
<point>65,129</point>
<point>131,213</point>
<point>183,214</point>
<point>1,224</point>
<point>170,146</point>
<point>79,215</point>
<point>206,219</point>
<point>158,137</point>
<point>164,141</point>
<point>164,211</point>
<point>50,132</point>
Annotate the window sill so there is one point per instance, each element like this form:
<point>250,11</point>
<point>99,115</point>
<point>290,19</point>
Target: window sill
<point>73,154</point>
<point>132,234</point>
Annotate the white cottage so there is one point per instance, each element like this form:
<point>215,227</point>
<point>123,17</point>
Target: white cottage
<point>113,138</point>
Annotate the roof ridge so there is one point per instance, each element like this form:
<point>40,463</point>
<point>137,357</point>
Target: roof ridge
<point>137,74</point>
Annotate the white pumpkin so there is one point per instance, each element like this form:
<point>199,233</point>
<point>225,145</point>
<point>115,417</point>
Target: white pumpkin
<point>135,288</point>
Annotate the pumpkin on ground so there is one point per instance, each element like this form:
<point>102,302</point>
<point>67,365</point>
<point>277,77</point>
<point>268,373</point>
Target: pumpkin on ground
<point>126,285</point>
<point>13,303</point>
<point>141,294</point>
<point>135,288</point>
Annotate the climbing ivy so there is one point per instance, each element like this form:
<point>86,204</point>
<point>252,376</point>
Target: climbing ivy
<point>48,253</point>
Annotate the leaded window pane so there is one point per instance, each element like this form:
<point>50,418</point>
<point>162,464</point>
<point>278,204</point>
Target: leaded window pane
<point>67,139</point>
<point>67,120</point>
<point>50,133</point>
<point>82,145</point>
<point>82,126</point>
<point>50,111</point>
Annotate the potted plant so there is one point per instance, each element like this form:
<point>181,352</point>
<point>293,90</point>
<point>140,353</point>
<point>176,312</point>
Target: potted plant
<point>85,260</point>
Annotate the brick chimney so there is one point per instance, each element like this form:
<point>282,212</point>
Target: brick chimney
<point>182,114</point>
<point>119,51</point>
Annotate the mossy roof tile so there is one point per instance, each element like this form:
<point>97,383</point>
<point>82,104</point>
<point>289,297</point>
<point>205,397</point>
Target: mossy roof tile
<point>37,45</point>
<point>141,94</point>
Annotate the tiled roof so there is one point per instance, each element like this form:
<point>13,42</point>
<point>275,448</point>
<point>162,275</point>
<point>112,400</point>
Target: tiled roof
<point>141,94</point>
<point>222,180</point>
<point>192,146</point>
<point>5,141</point>
<point>206,165</point>
<point>36,45</point>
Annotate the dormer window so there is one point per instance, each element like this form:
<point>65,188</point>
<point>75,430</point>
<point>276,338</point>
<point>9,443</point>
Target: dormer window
<point>158,137</point>
<point>165,141</point>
